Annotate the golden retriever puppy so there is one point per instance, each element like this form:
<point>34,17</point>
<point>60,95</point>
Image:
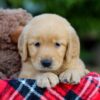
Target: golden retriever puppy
<point>50,49</point>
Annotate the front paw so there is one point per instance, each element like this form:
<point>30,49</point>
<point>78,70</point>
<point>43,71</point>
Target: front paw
<point>71,76</point>
<point>47,80</point>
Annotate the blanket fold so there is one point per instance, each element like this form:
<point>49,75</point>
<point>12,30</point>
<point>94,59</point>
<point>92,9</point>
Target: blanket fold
<point>26,89</point>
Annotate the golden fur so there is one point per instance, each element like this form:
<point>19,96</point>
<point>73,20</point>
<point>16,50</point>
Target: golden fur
<point>49,29</point>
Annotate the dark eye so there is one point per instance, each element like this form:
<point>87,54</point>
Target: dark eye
<point>37,44</point>
<point>57,44</point>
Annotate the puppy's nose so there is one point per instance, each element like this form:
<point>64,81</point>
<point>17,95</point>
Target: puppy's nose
<point>46,62</point>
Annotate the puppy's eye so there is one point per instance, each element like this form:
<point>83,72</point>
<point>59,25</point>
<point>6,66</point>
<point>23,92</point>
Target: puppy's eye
<point>37,44</point>
<point>57,44</point>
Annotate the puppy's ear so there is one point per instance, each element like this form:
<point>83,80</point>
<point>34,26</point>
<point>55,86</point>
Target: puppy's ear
<point>22,46</point>
<point>73,49</point>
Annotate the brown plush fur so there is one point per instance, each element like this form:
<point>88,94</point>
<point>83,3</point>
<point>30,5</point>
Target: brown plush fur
<point>12,22</point>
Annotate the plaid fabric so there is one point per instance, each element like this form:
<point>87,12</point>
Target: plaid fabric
<point>26,89</point>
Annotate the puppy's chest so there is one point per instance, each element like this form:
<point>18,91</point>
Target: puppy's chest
<point>60,70</point>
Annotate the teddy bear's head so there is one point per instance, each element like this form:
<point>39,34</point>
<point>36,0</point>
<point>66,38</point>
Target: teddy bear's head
<point>12,22</point>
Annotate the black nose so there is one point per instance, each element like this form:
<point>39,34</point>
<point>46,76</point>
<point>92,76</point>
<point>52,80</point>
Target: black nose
<point>46,63</point>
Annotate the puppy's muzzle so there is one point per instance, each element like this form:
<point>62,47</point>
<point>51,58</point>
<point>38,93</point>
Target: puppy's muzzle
<point>46,63</point>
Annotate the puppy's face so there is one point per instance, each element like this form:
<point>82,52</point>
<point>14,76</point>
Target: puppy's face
<point>47,41</point>
<point>47,48</point>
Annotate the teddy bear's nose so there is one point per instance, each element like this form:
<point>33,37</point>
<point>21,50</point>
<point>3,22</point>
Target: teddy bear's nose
<point>46,62</point>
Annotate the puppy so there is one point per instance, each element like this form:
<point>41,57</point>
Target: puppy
<point>50,49</point>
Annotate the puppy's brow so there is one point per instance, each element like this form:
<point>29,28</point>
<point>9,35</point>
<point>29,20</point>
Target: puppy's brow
<point>62,41</point>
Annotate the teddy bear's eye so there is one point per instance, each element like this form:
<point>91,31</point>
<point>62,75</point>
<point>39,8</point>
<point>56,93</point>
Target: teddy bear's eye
<point>57,44</point>
<point>37,44</point>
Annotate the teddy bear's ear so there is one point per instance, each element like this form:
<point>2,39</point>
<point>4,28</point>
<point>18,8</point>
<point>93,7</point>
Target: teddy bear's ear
<point>73,49</point>
<point>15,35</point>
<point>22,46</point>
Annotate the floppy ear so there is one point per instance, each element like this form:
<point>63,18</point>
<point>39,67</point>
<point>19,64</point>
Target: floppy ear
<point>22,46</point>
<point>73,49</point>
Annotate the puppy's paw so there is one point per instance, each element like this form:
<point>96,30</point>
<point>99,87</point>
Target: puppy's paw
<point>72,76</point>
<point>47,80</point>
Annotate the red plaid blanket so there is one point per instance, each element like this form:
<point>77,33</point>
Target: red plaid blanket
<point>26,89</point>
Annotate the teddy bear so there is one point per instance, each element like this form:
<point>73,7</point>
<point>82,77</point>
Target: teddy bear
<point>12,22</point>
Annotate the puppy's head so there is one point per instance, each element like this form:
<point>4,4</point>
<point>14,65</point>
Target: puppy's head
<point>48,41</point>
